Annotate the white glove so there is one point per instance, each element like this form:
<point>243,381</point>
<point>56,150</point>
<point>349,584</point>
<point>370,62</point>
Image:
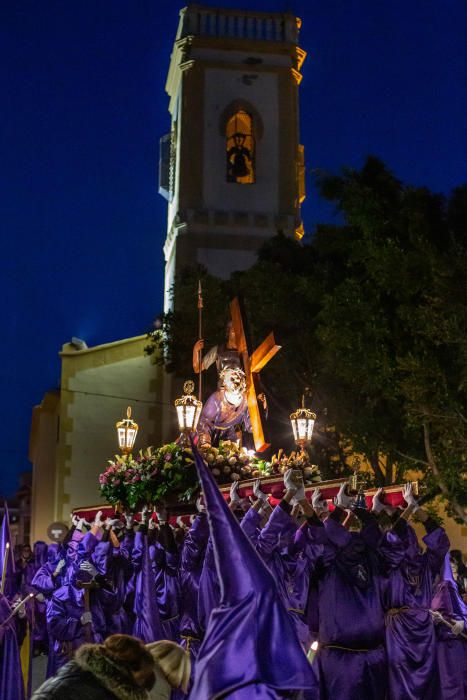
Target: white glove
<point>162,515</point>
<point>86,618</point>
<point>75,520</point>
<point>258,493</point>
<point>108,523</point>
<point>200,505</point>
<point>81,524</point>
<point>152,524</point>
<point>129,520</point>
<point>98,522</point>
<point>59,567</point>
<point>319,504</point>
<point>342,500</point>
<point>409,498</point>
<point>180,522</point>
<point>40,597</point>
<point>234,497</point>
<point>21,611</point>
<point>378,505</point>
<point>289,483</point>
<point>458,627</point>
<point>88,567</point>
<point>144,515</point>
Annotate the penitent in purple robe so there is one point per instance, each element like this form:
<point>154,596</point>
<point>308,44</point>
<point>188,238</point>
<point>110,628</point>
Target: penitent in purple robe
<point>165,558</point>
<point>45,583</point>
<point>241,656</point>
<point>11,678</point>
<point>282,549</point>
<point>191,566</point>
<point>451,649</point>
<point>351,656</point>
<point>147,626</point>
<point>410,638</point>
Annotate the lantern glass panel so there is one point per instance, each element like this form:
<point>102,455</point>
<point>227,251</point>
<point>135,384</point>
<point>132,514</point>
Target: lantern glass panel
<point>130,437</point>
<point>121,438</point>
<point>181,417</point>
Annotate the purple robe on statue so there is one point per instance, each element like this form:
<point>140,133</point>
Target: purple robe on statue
<point>451,649</point>
<point>11,679</point>
<point>250,649</point>
<point>351,655</point>
<point>410,637</point>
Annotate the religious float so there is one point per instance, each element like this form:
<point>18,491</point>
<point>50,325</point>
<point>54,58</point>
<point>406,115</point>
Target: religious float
<point>165,476</point>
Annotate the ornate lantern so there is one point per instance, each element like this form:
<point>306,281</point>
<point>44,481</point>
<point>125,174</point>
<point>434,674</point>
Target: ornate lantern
<point>303,421</point>
<point>188,409</point>
<point>127,430</point>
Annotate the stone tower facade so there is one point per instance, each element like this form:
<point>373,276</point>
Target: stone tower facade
<point>231,168</point>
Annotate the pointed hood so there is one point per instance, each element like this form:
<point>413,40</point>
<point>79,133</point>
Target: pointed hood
<point>447,599</point>
<point>5,538</point>
<point>250,639</point>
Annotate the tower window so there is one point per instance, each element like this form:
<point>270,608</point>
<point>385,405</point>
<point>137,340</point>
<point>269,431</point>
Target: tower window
<point>240,146</point>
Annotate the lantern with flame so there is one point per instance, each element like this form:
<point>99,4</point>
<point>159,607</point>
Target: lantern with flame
<point>188,409</point>
<point>127,430</point>
<point>303,421</point>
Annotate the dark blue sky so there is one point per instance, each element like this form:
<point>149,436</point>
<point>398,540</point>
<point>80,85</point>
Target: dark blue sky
<point>82,109</point>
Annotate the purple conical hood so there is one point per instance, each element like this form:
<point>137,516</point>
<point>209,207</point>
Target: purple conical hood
<point>250,639</point>
<point>5,537</point>
<point>447,599</point>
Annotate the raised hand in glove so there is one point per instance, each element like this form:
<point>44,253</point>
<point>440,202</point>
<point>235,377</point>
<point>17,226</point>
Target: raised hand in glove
<point>59,567</point>
<point>343,500</point>
<point>234,497</point>
<point>377,504</point>
<point>98,522</point>
<point>258,493</point>
<point>129,520</point>
<point>409,498</point>
<point>319,504</point>
<point>458,627</point>
<point>89,568</point>
<point>81,524</point>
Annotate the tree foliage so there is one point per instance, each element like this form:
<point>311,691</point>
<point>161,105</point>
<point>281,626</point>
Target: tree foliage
<point>372,316</point>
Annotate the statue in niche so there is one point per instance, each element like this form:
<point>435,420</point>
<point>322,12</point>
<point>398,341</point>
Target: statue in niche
<point>239,160</point>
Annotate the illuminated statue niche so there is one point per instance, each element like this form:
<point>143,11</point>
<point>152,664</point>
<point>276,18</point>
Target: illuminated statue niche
<point>240,145</point>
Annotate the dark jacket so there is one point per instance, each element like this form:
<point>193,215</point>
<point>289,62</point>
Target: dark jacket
<point>90,676</point>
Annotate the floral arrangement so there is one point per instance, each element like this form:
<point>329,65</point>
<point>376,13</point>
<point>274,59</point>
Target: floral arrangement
<point>150,478</point>
<point>167,474</point>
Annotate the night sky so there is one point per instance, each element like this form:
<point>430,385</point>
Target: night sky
<point>83,107</point>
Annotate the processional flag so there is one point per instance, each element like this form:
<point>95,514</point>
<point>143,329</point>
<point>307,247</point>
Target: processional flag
<point>250,648</point>
<point>7,559</point>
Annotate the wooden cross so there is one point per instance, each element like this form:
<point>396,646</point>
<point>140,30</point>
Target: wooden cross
<point>252,366</point>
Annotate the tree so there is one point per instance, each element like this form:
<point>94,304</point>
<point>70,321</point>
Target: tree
<point>371,314</point>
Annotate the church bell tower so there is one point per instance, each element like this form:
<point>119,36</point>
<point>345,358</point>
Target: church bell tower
<point>232,167</point>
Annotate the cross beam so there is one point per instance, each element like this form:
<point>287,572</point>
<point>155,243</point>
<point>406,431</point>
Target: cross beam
<point>252,366</point>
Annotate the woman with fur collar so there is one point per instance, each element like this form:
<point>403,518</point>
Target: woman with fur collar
<point>120,669</point>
